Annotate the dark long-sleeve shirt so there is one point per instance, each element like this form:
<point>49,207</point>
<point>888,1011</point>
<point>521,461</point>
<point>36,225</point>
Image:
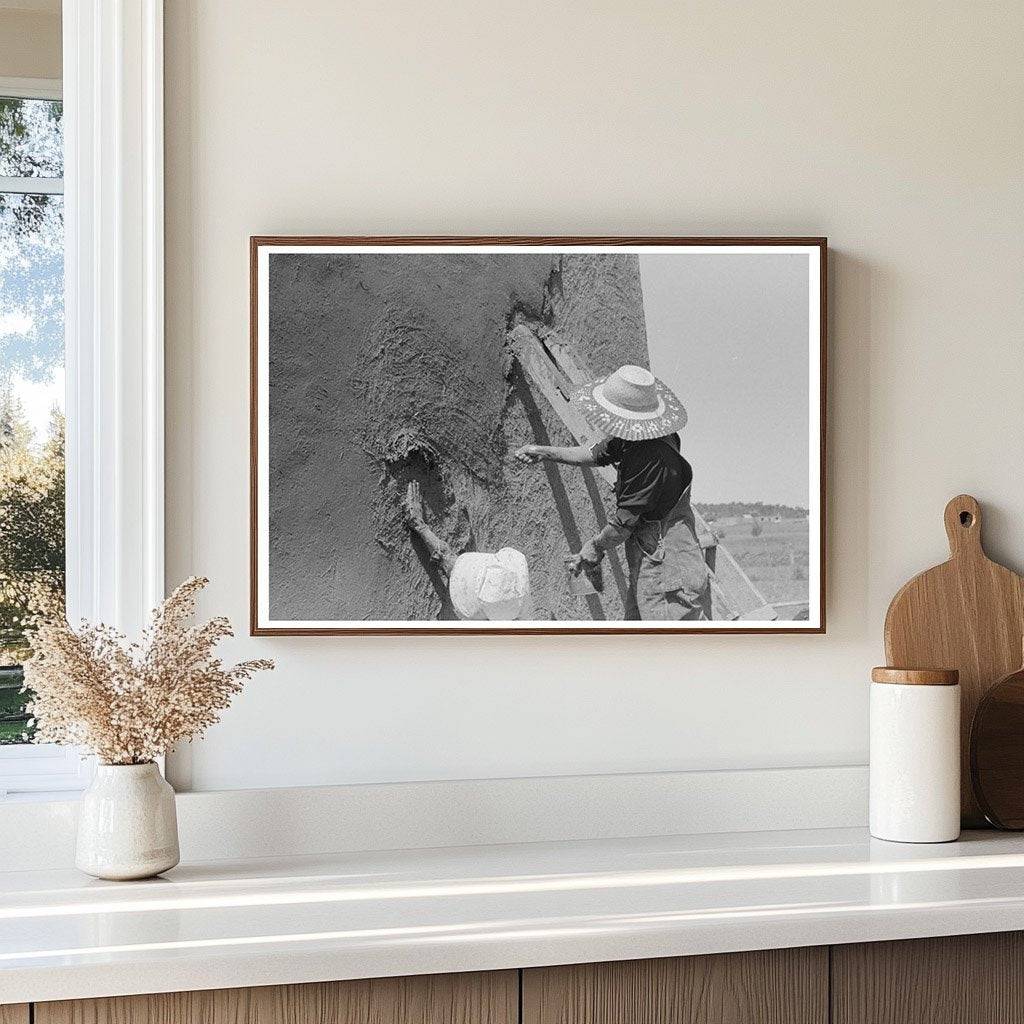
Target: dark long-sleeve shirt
<point>652,476</point>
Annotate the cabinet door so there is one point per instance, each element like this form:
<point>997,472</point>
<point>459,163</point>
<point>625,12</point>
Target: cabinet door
<point>14,1013</point>
<point>962,979</point>
<point>490,998</point>
<point>778,986</point>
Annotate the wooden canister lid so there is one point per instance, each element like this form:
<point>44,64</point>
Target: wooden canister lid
<point>916,676</point>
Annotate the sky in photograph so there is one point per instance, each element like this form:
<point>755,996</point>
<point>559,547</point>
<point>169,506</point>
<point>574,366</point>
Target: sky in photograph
<point>729,334</point>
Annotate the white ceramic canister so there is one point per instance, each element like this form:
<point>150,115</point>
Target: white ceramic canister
<point>915,755</point>
<point>127,825</point>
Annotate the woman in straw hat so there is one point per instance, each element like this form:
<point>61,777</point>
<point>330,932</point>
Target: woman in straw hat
<point>640,416</point>
<point>481,584</point>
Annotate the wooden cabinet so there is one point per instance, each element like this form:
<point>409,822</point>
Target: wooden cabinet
<point>491,998</point>
<point>963,979</point>
<point>971,979</point>
<point>778,986</point>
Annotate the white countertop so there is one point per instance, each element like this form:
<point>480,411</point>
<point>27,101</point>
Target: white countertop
<point>262,922</point>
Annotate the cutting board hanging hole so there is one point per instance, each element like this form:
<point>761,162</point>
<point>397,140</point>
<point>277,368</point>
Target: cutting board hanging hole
<point>963,525</point>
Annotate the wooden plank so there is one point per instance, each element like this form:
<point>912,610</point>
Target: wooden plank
<point>14,1013</point>
<point>781,986</point>
<point>961,979</point>
<point>479,998</point>
<point>555,387</point>
<point>736,586</point>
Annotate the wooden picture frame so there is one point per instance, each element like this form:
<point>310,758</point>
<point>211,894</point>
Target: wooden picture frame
<point>304,317</point>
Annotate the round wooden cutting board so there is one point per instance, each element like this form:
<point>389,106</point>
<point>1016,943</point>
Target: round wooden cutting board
<point>967,614</point>
<point>997,752</point>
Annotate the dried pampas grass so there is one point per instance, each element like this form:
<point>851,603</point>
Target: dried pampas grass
<point>129,703</point>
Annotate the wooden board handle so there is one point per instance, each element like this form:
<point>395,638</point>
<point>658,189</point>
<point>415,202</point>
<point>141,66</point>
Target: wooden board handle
<point>963,526</point>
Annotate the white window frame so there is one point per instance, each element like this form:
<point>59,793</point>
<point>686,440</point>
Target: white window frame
<point>114,325</point>
<point>32,88</point>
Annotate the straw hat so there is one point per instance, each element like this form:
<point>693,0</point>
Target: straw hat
<point>630,403</point>
<point>490,586</point>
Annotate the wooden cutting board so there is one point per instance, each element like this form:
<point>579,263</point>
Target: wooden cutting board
<point>967,614</point>
<point>997,752</point>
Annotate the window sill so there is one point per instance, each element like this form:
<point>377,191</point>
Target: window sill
<point>44,771</point>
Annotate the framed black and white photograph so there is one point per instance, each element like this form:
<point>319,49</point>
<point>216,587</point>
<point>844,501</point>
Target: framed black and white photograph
<point>558,435</point>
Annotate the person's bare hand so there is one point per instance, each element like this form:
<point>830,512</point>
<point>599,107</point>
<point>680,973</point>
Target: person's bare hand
<point>412,506</point>
<point>528,454</point>
<point>585,560</point>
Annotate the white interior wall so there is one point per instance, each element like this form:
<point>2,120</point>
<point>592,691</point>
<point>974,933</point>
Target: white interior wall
<point>895,129</point>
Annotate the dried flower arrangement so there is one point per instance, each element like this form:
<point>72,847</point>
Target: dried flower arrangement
<point>129,703</point>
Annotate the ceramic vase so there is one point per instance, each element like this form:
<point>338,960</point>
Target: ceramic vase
<point>127,825</point>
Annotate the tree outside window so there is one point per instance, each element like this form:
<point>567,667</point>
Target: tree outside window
<point>31,387</point>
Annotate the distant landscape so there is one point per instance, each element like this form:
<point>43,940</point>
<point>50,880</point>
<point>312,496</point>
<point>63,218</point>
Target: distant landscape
<point>771,544</point>
<point>729,509</point>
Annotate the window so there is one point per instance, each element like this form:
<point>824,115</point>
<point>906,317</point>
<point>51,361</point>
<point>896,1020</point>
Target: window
<point>31,383</point>
<point>85,180</point>
<point>32,531</point>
